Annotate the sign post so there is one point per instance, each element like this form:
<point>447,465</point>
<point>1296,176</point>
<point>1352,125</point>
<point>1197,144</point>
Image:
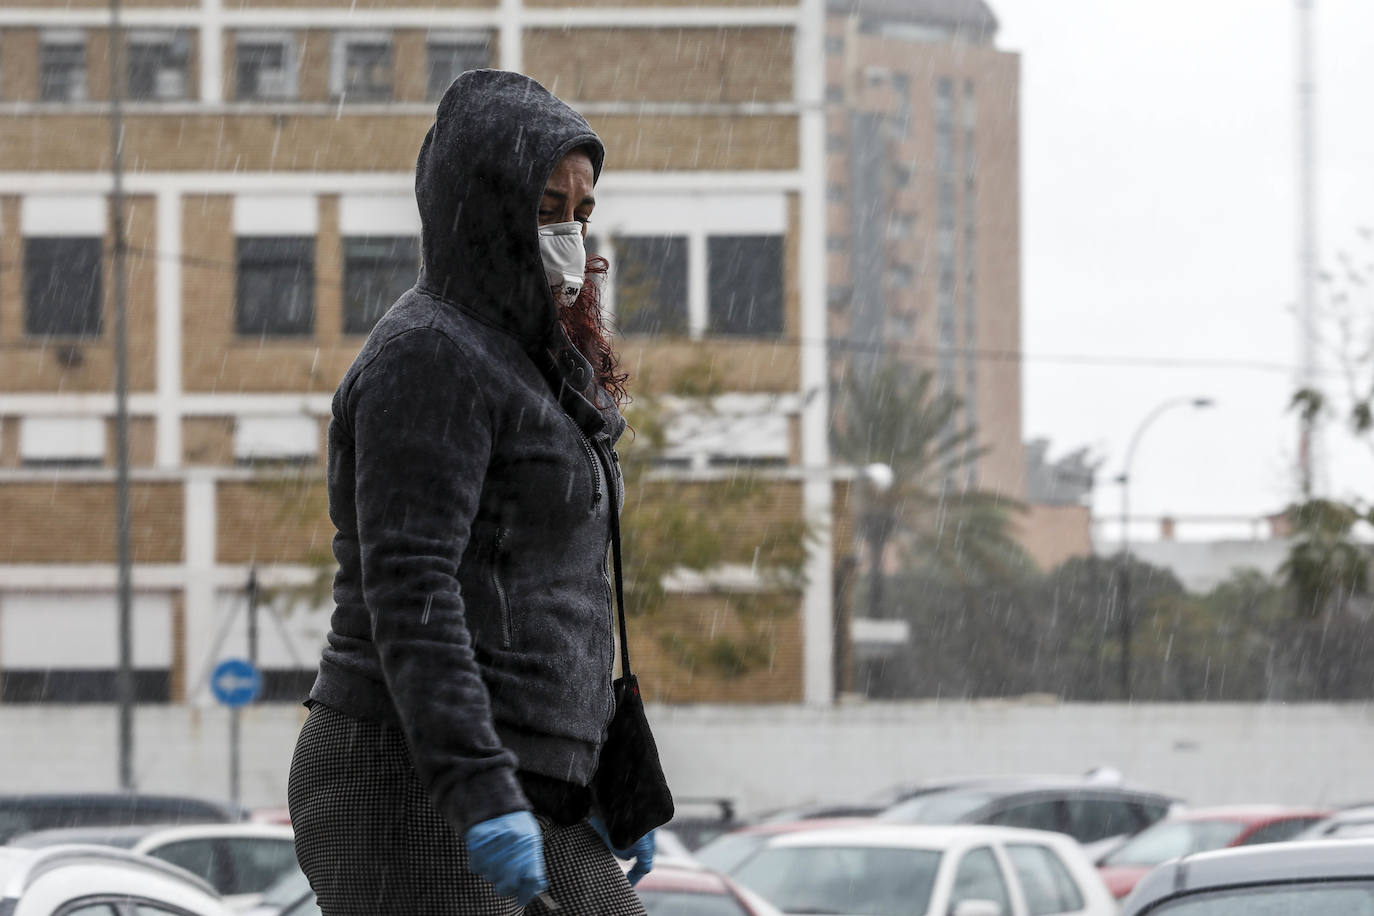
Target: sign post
<point>235,682</point>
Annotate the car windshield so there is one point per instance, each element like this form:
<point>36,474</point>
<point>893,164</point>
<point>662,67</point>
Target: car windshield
<point>1341,898</point>
<point>1172,839</point>
<point>937,807</point>
<point>677,903</point>
<point>725,853</point>
<point>860,880</point>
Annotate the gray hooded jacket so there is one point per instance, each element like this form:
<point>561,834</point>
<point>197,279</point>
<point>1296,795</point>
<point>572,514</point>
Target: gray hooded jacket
<point>471,469</point>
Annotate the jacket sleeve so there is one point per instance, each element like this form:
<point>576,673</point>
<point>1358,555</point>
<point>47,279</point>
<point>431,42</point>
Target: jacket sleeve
<point>422,437</point>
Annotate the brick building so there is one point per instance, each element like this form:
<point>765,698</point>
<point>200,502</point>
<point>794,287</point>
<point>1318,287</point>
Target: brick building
<point>924,207</point>
<point>269,151</point>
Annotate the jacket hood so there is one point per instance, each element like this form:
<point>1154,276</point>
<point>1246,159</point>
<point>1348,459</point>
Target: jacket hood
<point>481,172</point>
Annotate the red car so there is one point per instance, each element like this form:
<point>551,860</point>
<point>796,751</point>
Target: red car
<point>1200,830</point>
<point>686,890</point>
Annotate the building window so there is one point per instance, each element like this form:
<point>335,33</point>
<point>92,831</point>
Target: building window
<point>62,68</point>
<point>902,175</point>
<point>361,68</point>
<point>836,143</point>
<point>651,284</point>
<point>275,286</point>
<point>450,55</point>
<point>264,67</point>
<point>62,288</point>
<point>837,243</point>
<point>377,270</point>
<point>834,44</point>
<point>834,94</point>
<point>901,276</point>
<point>159,65</point>
<point>745,283</point>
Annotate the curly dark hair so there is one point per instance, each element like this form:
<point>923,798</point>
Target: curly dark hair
<point>586,328</point>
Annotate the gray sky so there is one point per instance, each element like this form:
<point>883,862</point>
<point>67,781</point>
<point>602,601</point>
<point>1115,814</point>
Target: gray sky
<point>1160,223</point>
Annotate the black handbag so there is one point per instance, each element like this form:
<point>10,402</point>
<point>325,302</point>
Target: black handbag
<point>629,787</point>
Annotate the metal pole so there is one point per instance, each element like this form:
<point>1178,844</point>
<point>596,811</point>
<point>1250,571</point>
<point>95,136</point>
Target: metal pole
<point>121,355</point>
<point>1126,623</point>
<point>234,793</point>
<point>253,616</point>
<point>1307,245</point>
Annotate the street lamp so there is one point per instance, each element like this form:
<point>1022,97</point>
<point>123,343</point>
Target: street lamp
<point>878,524</point>
<point>1125,480</point>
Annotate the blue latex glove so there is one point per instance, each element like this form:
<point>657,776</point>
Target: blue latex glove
<point>509,852</point>
<point>642,850</point>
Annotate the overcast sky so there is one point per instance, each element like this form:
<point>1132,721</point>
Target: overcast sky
<point>1160,224</point>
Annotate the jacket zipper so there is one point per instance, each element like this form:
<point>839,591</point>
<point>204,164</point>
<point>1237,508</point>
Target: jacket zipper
<point>502,599</point>
<point>596,470</point>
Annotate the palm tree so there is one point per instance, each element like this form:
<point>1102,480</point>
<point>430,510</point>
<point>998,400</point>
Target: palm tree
<point>898,417</point>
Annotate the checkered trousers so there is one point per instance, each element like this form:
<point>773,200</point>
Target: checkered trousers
<point>373,844</point>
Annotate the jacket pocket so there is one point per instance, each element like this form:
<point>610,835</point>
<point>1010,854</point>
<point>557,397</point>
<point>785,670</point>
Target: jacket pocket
<point>502,596</point>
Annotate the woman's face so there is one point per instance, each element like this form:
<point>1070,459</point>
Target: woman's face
<point>568,193</point>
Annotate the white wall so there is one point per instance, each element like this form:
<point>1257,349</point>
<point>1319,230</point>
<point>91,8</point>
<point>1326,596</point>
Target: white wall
<point>767,756</point>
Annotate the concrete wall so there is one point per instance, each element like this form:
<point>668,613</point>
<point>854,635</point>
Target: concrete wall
<point>767,756</point>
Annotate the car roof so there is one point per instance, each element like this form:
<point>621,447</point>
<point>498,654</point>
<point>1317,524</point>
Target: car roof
<point>133,836</point>
<point>1270,863</point>
<point>1001,786</point>
<point>125,835</point>
<point>1250,814</point>
<point>684,879</point>
<point>20,867</point>
<point>814,823</point>
<point>122,799</point>
<point>915,836</point>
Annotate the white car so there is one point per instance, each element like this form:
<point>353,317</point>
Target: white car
<point>99,881</point>
<point>899,870</point>
<point>239,860</point>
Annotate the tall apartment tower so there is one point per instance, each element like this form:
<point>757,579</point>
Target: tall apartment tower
<point>922,119</point>
<point>269,147</point>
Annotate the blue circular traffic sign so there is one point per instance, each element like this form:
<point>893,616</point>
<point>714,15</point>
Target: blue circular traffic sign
<point>235,682</point>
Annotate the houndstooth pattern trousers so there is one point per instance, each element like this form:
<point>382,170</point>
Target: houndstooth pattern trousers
<point>373,843</point>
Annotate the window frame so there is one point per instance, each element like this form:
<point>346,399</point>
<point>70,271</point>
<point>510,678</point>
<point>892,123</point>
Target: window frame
<point>290,68</point>
<point>775,298</point>
<point>460,39</point>
<point>339,90</point>
<point>49,41</point>
<point>177,43</point>
<point>349,259</point>
<point>303,330</point>
<point>94,307</point>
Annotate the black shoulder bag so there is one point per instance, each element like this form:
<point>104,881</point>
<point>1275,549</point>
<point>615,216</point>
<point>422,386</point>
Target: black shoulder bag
<point>629,787</point>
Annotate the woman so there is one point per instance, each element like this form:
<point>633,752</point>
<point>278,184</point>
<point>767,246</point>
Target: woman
<point>466,686</point>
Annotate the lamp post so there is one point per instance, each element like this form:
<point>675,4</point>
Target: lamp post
<point>1125,480</point>
<point>877,527</point>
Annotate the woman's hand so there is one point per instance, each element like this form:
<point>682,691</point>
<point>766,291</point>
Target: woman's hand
<point>509,852</point>
<point>641,851</point>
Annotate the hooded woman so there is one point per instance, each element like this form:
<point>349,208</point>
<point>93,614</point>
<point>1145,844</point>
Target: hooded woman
<point>465,690</point>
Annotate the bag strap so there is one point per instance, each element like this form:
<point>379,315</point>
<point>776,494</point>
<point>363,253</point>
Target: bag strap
<point>619,587</point>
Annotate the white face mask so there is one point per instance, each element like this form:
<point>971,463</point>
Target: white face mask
<point>565,259</point>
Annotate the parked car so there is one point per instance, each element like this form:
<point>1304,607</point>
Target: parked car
<point>1200,830</point>
<point>1277,879</point>
<point>685,890</point>
<point>52,879</point>
<point>239,860</point>
<point>27,813</point>
<point>700,820</point>
<point>729,851</point>
<point>1347,824</point>
<point>893,870</point>
<point>1097,814</point>
<point>290,894</point>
